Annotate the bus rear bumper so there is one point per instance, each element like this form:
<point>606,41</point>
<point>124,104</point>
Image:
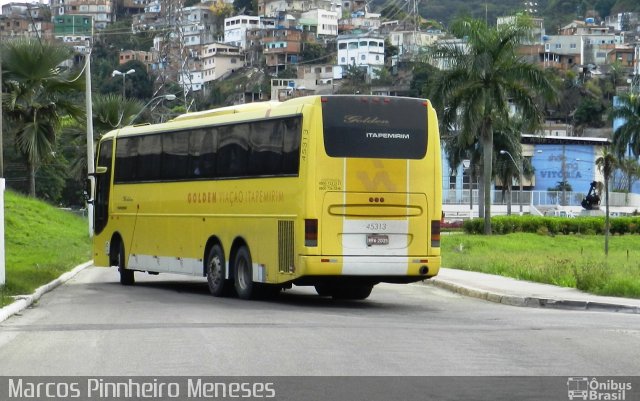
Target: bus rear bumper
<point>416,267</point>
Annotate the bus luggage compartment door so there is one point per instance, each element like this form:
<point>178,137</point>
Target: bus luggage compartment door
<point>374,224</point>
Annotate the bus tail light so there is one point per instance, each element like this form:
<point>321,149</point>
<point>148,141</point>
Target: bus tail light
<point>435,233</point>
<point>311,232</point>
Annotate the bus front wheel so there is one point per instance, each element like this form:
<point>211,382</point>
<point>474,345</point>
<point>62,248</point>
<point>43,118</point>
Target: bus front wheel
<point>126,275</point>
<point>243,274</point>
<point>215,272</point>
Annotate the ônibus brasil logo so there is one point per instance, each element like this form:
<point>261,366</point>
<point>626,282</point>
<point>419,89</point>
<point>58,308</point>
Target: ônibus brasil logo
<point>585,388</point>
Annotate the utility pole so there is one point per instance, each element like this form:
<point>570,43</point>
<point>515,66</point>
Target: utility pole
<point>89,111</point>
<point>1,135</point>
<point>2,266</point>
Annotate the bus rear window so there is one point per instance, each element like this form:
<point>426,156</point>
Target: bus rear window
<point>386,128</point>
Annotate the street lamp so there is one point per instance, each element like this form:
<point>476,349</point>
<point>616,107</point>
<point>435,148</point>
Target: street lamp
<point>168,97</point>
<point>124,74</point>
<point>519,168</point>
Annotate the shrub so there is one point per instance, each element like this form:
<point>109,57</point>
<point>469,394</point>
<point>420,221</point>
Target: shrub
<point>619,225</point>
<point>553,225</point>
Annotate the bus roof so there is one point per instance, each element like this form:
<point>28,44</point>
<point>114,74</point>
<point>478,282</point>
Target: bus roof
<point>257,106</point>
<point>228,114</point>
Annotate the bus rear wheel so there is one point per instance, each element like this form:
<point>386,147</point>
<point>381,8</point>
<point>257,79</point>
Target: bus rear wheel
<point>243,274</point>
<point>218,285</point>
<point>126,275</point>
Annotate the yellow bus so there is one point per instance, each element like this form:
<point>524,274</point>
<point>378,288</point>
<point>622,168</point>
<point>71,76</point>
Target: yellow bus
<point>336,192</point>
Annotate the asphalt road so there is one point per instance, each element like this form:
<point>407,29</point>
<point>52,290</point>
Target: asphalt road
<point>168,325</point>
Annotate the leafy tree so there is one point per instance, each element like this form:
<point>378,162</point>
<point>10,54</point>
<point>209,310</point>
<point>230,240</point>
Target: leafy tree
<point>245,7</point>
<point>607,164</point>
<point>423,78</point>
<point>589,113</point>
<point>138,85</point>
<point>393,12</point>
<point>507,138</point>
<point>288,72</point>
<point>383,77</point>
<point>389,49</point>
<point>39,94</point>
<point>109,113</point>
<point>354,80</point>
<point>603,7</point>
<point>627,135</point>
<point>117,37</point>
<point>315,52</point>
<point>483,77</point>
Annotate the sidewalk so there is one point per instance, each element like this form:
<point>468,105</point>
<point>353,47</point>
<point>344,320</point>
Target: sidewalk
<point>24,301</point>
<point>514,292</point>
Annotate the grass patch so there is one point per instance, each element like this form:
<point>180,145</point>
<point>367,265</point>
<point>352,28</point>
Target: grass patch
<point>41,242</point>
<point>576,261</point>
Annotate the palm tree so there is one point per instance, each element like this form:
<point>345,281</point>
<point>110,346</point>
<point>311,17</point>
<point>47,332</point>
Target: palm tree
<point>39,95</point>
<point>109,113</point>
<point>631,170</point>
<point>627,135</point>
<point>457,151</point>
<point>606,164</point>
<point>484,77</point>
<point>507,166</point>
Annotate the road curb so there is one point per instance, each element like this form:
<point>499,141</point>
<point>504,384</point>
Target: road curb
<point>531,302</point>
<point>24,301</point>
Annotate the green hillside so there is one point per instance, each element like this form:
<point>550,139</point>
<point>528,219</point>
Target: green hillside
<point>41,242</point>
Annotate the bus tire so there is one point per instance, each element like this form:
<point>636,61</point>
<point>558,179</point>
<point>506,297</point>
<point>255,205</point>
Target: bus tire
<point>352,292</point>
<point>218,285</point>
<point>269,291</point>
<point>126,275</point>
<point>243,274</point>
<point>324,290</point>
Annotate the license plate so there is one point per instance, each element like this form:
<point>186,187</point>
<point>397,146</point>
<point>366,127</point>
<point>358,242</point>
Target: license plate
<point>377,239</point>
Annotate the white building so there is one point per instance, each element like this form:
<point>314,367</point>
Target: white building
<point>322,22</point>
<point>580,48</point>
<point>410,42</point>
<point>153,7</point>
<point>617,21</point>
<point>361,51</point>
<point>235,29</point>
<point>191,80</point>
<point>197,25</point>
<point>219,59</point>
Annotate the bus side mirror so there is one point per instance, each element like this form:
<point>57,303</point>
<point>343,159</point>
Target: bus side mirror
<point>87,192</point>
<point>89,187</point>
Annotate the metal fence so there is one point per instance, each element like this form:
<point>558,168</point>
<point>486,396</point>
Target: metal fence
<point>539,198</point>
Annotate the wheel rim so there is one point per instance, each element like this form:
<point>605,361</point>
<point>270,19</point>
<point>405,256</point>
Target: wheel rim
<point>215,271</point>
<point>243,269</point>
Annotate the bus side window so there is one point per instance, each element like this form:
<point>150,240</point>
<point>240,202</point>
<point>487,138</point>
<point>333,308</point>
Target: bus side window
<point>149,157</point>
<point>126,159</point>
<point>291,152</point>
<point>175,156</point>
<point>265,148</point>
<point>202,153</point>
<point>233,150</point>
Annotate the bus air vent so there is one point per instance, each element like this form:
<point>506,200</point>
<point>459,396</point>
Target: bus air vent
<point>285,246</point>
